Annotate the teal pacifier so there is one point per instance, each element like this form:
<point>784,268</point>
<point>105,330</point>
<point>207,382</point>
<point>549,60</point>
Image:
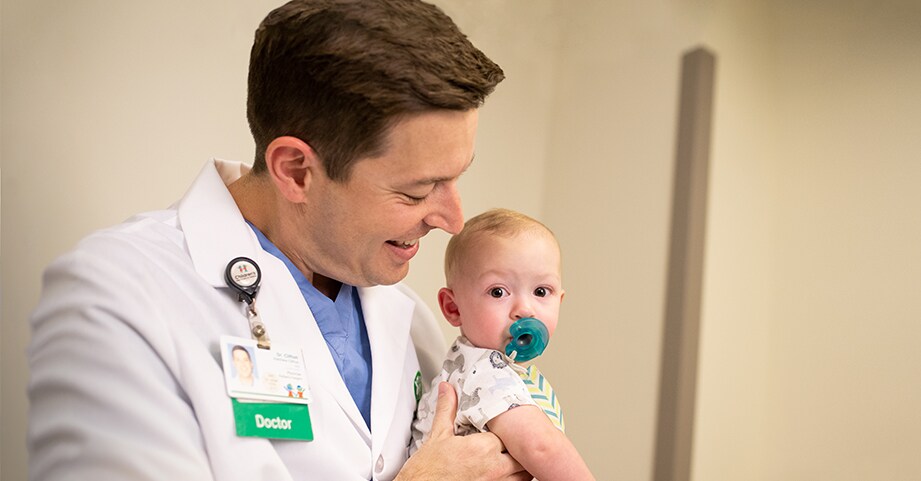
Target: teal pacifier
<point>529,339</point>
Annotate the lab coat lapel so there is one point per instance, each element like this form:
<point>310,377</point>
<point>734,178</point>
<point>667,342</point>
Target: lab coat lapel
<point>388,317</point>
<point>215,231</point>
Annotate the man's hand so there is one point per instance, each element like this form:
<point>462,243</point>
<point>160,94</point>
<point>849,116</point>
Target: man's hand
<point>445,456</point>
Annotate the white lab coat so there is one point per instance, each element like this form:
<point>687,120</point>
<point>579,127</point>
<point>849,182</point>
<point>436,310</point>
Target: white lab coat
<point>126,379</point>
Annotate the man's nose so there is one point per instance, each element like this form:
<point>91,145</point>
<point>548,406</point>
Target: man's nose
<point>448,215</point>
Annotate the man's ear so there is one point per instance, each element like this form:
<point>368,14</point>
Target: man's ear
<point>448,306</point>
<point>291,164</point>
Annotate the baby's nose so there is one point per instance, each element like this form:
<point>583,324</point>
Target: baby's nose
<point>522,310</point>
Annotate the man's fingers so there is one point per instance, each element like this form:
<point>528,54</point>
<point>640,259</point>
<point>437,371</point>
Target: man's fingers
<point>489,443</point>
<point>445,412</point>
<point>522,476</point>
<point>513,469</point>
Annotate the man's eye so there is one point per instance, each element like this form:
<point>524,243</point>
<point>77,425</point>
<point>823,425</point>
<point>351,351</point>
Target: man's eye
<point>541,292</point>
<point>415,200</point>
<point>497,292</point>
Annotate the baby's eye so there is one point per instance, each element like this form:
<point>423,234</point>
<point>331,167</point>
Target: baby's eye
<point>497,292</point>
<point>541,292</point>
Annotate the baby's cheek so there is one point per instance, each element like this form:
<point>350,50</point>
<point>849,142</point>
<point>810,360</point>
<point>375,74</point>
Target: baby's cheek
<point>551,327</point>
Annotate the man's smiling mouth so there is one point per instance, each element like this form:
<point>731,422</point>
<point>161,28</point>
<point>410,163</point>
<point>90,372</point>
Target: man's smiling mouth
<point>403,244</point>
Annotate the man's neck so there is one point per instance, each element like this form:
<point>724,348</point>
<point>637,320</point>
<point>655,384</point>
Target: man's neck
<point>261,206</point>
<point>329,287</point>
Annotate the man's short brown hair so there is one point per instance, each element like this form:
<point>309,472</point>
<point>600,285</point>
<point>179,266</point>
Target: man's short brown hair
<point>337,74</point>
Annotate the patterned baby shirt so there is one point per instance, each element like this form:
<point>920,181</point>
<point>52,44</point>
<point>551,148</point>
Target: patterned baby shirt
<point>488,384</point>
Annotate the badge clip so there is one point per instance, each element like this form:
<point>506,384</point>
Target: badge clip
<point>244,276</point>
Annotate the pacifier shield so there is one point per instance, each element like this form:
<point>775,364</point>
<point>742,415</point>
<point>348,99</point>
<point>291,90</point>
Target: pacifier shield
<point>529,339</point>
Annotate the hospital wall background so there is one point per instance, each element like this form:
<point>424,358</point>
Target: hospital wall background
<point>810,346</point>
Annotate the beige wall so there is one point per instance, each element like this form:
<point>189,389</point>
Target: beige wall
<point>845,372</point>
<point>809,346</point>
<point>732,396</point>
<point>810,361</point>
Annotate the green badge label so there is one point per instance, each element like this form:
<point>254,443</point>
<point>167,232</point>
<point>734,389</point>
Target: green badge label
<point>417,386</point>
<point>273,420</point>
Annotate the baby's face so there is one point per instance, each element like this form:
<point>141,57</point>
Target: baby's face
<point>507,279</point>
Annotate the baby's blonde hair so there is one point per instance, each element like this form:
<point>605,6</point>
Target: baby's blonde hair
<point>500,222</point>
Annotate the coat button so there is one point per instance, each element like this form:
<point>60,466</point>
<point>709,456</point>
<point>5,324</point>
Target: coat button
<point>380,464</point>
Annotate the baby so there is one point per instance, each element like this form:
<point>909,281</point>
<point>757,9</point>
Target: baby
<point>503,274</point>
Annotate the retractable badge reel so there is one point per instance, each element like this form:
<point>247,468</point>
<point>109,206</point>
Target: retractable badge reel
<point>243,276</point>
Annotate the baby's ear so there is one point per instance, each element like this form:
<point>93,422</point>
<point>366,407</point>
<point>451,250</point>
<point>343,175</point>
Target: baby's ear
<point>448,306</point>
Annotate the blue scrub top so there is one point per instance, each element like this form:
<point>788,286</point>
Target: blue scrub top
<point>343,327</point>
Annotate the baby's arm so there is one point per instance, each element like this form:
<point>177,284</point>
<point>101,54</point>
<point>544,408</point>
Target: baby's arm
<point>541,448</point>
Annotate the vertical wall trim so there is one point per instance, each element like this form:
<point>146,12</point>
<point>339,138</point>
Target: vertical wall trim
<point>678,375</point>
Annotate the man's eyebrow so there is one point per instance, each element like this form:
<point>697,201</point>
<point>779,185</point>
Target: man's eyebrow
<point>435,180</point>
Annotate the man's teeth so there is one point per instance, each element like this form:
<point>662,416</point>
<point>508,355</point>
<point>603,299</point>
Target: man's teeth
<point>405,244</point>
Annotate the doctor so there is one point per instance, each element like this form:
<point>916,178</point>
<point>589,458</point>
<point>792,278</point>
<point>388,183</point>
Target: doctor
<point>364,116</point>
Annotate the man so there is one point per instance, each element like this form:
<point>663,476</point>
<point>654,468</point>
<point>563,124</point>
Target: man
<point>364,116</point>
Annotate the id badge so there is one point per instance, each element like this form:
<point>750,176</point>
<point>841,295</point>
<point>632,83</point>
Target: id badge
<point>276,374</point>
<point>268,388</point>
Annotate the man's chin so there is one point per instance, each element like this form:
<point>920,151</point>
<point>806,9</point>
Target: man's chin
<point>393,276</point>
